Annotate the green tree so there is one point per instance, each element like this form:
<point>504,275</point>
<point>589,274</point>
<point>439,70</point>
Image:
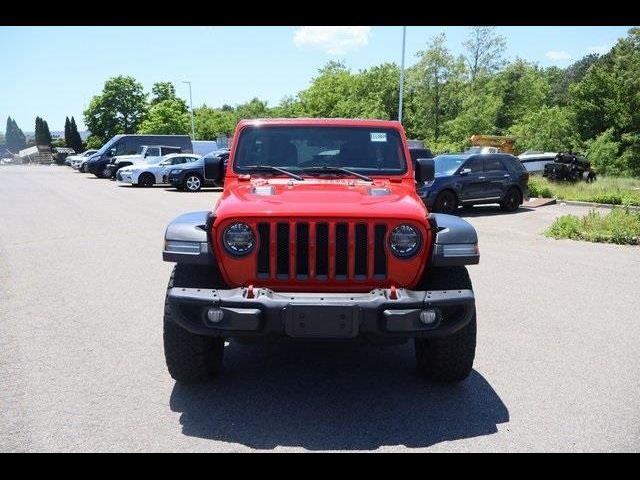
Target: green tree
<point>433,90</point>
<point>67,132</point>
<point>523,89</point>
<point>330,94</point>
<point>484,51</point>
<point>38,132</point>
<point>14,137</point>
<point>211,122</point>
<point>119,109</point>
<point>551,129</point>
<point>166,118</point>
<point>162,91</point>
<point>604,154</point>
<point>46,134</point>
<point>375,92</point>
<point>75,140</point>
<point>255,108</point>
<point>478,115</point>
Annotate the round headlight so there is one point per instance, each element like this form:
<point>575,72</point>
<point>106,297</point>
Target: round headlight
<point>405,241</point>
<point>238,239</point>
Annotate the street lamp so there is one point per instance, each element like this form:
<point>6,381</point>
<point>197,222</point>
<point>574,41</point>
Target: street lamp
<point>404,38</point>
<point>193,127</point>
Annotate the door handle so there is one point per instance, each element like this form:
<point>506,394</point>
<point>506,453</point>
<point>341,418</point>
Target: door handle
<point>506,175</point>
<point>482,178</point>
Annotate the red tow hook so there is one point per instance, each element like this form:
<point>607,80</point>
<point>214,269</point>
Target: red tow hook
<point>250,292</point>
<point>393,294</point>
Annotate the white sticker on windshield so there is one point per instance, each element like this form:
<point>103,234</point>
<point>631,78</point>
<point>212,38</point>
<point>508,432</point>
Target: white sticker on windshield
<point>378,137</point>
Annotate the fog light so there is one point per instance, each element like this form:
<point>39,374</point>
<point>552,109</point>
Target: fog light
<point>215,315</point>
<point>428,317</point>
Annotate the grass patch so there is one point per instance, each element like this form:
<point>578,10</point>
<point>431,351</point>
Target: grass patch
<point>611,190</point>
<point>620,226</point>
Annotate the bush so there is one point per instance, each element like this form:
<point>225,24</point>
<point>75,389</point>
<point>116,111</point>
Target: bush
<point>539,188</point>
<point>619,226</point>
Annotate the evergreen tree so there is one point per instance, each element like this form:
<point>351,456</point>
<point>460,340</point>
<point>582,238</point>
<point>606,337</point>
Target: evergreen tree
<point>38,133</point>
<point>75,141</point>
<point>46,134</point>
<point>14,137</point>
<point>67,132</point>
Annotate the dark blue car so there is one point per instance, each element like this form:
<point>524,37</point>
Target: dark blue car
<point>467,179</point>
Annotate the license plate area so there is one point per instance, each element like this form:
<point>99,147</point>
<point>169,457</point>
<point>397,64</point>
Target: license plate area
<point>321,321</point>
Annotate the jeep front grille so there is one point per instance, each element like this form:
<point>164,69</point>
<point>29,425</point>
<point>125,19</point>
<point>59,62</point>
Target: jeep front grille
<point>334,250</point>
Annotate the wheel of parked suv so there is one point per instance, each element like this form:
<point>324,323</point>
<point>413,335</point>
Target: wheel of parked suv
<point>450,358</point>
<point>193,183</point>
<point>511,200</point>
<point>191,358</point>
<point>446,202</point>
<point>146,180</point>
<point>104,173</point>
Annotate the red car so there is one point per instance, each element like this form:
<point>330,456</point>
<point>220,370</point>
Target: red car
<point>320,234</point>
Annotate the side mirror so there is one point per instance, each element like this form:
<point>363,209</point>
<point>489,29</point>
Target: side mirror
<point>465,171</point>
<point>213,168</point>
<point>112,152</point>
<point>425,170</point>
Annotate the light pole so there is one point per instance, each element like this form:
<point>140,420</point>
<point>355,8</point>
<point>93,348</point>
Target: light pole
<point>404,38</point>
<point>193,125</point>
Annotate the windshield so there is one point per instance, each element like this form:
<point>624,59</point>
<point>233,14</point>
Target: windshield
<point>447,164</point>
<point>371,151</point>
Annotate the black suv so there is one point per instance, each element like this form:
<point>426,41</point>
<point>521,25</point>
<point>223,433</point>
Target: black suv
<point>190,177</point>
<point>469,179</point>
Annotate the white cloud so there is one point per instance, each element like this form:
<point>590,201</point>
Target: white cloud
<point>600,49</point>
<point>332,40</point>
<point>557,55</point>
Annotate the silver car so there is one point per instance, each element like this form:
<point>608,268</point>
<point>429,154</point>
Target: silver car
<point>76,160</point>
<point>149,174</point>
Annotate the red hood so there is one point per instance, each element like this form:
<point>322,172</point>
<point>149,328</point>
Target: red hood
<point>320,198</point>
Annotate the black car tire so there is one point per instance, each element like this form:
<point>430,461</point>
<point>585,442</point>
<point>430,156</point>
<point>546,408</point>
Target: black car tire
<point>193,182</point>
<point>146,179</point>
<point>446,202</point>
<point>511,201</point>
<point>447,359</point>
<point>191,358</point>
<point>104,172</point>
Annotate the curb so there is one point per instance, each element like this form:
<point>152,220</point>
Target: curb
<point>596,205</point>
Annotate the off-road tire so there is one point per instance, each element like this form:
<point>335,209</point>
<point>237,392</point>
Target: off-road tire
<point>511,201</point>
<point>191,358</point>
<point>447,359</point>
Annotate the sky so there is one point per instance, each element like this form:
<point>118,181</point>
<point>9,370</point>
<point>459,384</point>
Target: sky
<point>53,72</point>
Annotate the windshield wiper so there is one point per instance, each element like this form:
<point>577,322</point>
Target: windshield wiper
<point>329,169</point>
<point>270,168</point>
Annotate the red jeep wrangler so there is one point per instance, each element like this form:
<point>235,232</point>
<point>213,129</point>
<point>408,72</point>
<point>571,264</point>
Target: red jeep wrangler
<point>320,234</point>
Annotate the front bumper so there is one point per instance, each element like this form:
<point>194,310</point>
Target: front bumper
<point>126,177</point>
<point>175,180</point>
<point>264,313</point>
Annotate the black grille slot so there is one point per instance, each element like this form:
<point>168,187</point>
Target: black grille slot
<point>282,254</point>
<point>380,257</point>
<point>263,252</point>
<point>361,252</point>
<point>342,254</point>
<point>302,250</point>
<point>322,250</point>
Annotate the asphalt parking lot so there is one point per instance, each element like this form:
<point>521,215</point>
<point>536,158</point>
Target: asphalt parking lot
<point>82,366</point>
